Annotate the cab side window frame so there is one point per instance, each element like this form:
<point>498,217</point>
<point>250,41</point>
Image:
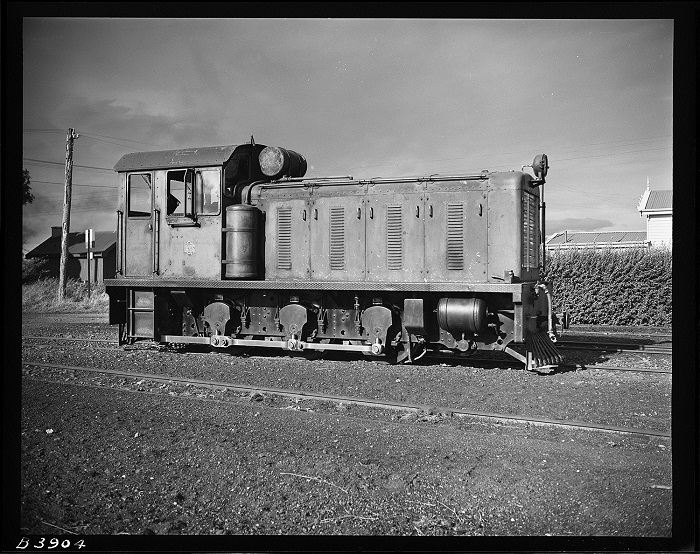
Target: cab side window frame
<point>139,195</point>
<point>208,191</point>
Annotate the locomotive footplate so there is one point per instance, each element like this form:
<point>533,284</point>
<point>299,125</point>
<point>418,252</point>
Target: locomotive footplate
<point>514,289</point>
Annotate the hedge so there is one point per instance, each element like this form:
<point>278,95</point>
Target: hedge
<point>612,287</point>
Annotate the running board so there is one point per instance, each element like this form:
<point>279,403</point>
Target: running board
<point>221,341</point>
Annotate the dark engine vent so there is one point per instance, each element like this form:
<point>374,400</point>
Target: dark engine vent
<point>284,238</point>
<point>337,238</point>
<point>394,237</point>
<point>455,236</point>
<point>530,246</point>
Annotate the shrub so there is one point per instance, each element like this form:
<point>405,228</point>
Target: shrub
<point>34,269</point>
<point>612,287</point>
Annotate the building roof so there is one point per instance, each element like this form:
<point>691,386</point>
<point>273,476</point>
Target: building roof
<point>188,157</point>
<point>580,238</point>
<point>104,240</point>
<point>656,200</point>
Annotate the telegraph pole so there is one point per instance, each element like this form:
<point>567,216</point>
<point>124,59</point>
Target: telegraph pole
<point>65,229</point>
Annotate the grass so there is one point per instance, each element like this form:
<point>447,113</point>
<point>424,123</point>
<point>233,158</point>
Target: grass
<point>41,296</point>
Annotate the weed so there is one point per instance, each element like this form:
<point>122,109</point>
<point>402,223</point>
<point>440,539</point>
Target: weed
<point>42,296</point>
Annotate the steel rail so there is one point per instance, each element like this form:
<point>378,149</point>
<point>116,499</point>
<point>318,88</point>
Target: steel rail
<point>408,406</point>
<point>586,367</point>
<point>32,337</point>
<point>619,347</point>
<point>574,332</point>
<point>583,367</point>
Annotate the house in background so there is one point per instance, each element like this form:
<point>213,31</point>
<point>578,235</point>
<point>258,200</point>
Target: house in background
<point>102,266</point>
<point>615,239</point>
<point>657,206</point>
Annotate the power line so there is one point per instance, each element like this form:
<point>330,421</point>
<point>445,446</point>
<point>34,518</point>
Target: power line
<point>75,185</point>
<point>43,130</point>
<point>626,162</point>
<point>556,161</point>
<point>629,142</point>
<point>93,197</point>
<point>62,164</point>
<point>613,154</point>
<point>652,139</point>
<point>44,212</point>
<point>105,141</point>
<point>93,135</point>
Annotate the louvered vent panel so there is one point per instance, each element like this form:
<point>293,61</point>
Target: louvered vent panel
<point>530,246</point>
<point>455,236</point>
<point>337,238</point>
<point>284,238</point>
<point>394,237</point>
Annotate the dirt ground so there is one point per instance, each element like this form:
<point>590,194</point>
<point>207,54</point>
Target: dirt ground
<point>147,458</point>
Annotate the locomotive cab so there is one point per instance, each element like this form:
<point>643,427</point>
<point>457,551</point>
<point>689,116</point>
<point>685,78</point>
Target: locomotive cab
<point>172,207</point>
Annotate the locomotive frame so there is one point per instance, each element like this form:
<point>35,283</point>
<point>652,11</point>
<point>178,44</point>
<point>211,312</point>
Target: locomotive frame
<point>232,247</point>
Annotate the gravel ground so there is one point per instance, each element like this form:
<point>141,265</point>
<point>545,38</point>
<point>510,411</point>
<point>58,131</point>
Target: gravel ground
<point>148,458</point>
<point>624,399</point>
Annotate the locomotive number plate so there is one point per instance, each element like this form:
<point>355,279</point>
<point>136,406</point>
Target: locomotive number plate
<point>189,248</point>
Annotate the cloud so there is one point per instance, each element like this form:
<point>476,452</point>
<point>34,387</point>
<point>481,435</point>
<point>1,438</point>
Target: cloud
<point>577,224</point>
<point>32,237</point>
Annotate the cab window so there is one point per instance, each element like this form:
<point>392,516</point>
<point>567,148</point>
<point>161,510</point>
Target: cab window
<point>139,194</point>
<point>179,193</point>
<point>208,186</point>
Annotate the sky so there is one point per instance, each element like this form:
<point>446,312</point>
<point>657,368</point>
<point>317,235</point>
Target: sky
<point>360,97</point>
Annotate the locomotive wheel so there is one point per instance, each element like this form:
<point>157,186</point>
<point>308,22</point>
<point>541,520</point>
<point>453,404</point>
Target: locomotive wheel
<point>418,350</point>
<point>402,352</point>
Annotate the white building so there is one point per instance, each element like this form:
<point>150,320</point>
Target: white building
<point>657,206</point>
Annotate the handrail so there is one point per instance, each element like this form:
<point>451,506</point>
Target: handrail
<point>322,182</point>
<point>156,241</point>
<point>120,237</point>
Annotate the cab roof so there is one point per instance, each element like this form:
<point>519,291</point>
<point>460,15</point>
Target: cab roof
<point>168,159</point>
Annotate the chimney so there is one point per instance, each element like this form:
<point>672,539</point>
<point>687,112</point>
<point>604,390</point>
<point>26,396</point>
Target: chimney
<point>56,231</point>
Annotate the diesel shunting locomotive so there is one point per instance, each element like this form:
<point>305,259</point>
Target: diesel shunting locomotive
<point>233,247</point>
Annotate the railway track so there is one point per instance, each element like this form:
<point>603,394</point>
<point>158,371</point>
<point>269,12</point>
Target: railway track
<point>615,347</point>
<point>434,358</point>
<point>626,334</point>
<point>72,339</point>
<point>368,402</point>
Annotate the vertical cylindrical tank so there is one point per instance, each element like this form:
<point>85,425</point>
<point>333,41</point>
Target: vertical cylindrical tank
<point>241,237</point>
